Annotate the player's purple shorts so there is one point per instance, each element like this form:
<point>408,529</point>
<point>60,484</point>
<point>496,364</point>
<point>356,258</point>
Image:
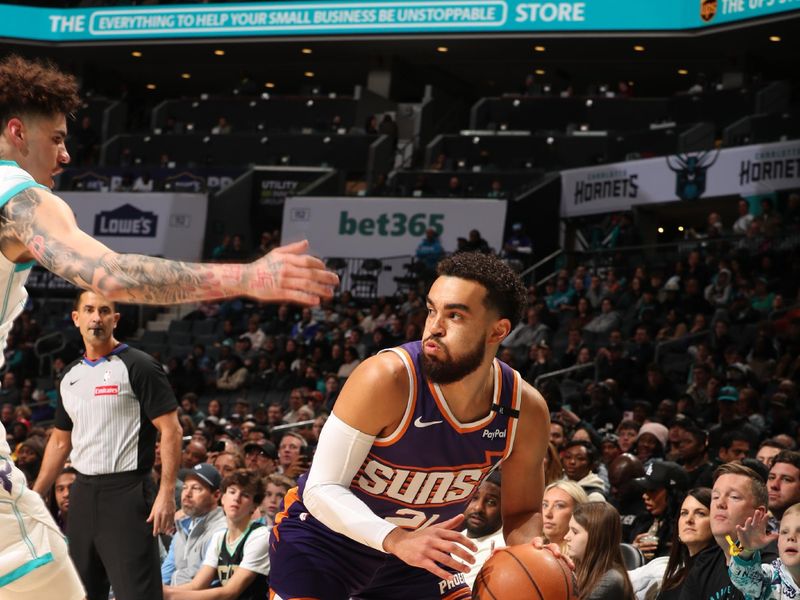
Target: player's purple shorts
<point>308,560</point>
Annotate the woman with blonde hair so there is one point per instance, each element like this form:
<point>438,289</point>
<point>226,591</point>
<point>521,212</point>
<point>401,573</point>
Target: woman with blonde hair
<point>593,543</point>
<point>559,501</point>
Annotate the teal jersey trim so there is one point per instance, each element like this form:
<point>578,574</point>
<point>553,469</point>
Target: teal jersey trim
<point>24,266</point>
<point>26,568</point>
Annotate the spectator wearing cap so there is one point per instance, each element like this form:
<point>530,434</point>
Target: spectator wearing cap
<point>261,456</point>
<point>783,485</point>
<point>663,487</point>
<point>609,449</point>
<point>719,292</point>
<point>580,462</point>
<point>651,442</point>
<point>738,491</point>
<point>429,251</point>
<point>541,362</point>
<point>728,419</point>
<point>202,518</point>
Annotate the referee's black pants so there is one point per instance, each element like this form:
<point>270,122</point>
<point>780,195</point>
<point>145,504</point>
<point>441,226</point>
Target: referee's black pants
<point>109,538</point>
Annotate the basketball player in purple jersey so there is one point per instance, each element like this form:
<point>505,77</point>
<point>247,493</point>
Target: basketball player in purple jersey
<point>413,433</point>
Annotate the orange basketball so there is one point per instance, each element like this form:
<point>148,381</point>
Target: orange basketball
<point>524,573</point>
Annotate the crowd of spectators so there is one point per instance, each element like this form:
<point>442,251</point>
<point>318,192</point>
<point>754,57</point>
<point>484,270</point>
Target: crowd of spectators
<point>657,375</point>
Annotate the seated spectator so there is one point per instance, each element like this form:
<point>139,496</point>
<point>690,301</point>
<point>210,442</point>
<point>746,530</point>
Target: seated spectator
<point>484,523</point>
<point>778,579</point>
<point>292,461</point>
<point>526,334</point>
<point>244,573</point>
<point>627,431</point>
<point>580,462</point>
<point>430,251</point>
<point>625,496</point>
<point>261,456</point>
<point>351,361</point>
<point>542,362</point>
<point>234,375</point>
<point>692,454</point>
<point>276,488</point>
<point>737,493</point>
<point>692,535</point>
<point>59,500</point>
<point>202,519</point>
<point>651,442</point>
<point>734,446</point>
<point>475,243</point>
<point>663,487</point>
<point>742,223</point>
<point>558,503</point>
<point>593,543</point>
<point>608,319</point>
<point>767,452</point>
<point>783,485</point>
<point>728,419</point>
<point>222,127</point>
<point>227,462</point>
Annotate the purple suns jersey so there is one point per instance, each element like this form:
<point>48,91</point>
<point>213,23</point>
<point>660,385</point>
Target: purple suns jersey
<point>428,468</point>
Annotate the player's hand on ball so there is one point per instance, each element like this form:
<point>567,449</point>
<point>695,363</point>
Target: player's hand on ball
<point>554,549</point>
<point>287,274</point>
<point>435,544</point>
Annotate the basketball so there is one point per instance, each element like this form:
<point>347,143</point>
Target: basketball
<point>524,573</point>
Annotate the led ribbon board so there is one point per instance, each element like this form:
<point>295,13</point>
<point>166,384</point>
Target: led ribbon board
<point>371,18</point>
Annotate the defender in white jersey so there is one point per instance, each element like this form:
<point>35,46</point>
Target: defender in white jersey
<point>36,225</point>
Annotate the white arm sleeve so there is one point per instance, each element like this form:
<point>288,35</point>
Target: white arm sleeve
<point>340,453</point>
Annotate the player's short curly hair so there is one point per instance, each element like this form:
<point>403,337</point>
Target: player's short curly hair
<point>35,87</point>
<point>505,292</point>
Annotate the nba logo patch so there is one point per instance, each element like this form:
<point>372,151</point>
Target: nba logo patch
<point>107,376</point>
<point>708,9</point>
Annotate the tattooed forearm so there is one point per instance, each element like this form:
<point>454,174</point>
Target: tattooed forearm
<point>123,277</point>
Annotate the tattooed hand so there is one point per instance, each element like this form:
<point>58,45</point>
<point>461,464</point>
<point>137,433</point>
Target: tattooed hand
<point>288,275</point>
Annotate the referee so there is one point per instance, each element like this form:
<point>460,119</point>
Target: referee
<point>112,404</point>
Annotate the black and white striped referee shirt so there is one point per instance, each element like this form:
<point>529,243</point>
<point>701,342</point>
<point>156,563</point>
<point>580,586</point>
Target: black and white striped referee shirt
<point>109,405</point>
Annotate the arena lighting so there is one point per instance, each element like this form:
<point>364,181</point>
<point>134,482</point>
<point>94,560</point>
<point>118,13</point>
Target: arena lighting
<point>252,104</point>
<point>680,228</point>
<point>309,103</point>
<point>638,48</point>
<point>151,86</point>
<point>186,75</point>
<point>550,140</point>
<point>136,54</point>
<point>306,51</point>
<point>540,71</point>
<point>774,38</point>
<point>442,49</point>
<point>219,52</point>
<point>683,72</point>
<point>309,73</point>
<point>589,103</point>
<point>476,140</point>
<point>515,103</point>
<point>539,48</point>
<point>660,230</point>
<point>269,85</point>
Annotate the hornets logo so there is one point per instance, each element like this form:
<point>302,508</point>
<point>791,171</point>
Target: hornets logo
<point>708,9</point>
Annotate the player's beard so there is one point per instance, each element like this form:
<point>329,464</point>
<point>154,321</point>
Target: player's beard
<point>451,370</point>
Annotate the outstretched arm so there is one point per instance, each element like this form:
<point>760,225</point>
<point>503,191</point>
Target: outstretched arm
<point>39,224</point>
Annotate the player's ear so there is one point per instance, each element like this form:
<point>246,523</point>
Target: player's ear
<point>500,330</point>
<point>75,318</point>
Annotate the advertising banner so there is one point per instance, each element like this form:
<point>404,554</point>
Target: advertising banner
<point>740,171</point>
<point>121,179</point>
<point>374,17</point>
<point>159,224</point>
<point>382,227</point>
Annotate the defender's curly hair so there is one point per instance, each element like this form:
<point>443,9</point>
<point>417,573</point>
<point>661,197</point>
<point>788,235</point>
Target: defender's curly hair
<point>35,87</point>
<point>505,292</point>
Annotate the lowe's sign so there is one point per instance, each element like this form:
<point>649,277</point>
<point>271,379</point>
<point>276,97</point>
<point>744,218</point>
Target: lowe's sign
<point>374,17</point>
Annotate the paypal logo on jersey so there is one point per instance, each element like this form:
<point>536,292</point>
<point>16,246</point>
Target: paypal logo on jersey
<point>491,435</point>
<point>127,220</point>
